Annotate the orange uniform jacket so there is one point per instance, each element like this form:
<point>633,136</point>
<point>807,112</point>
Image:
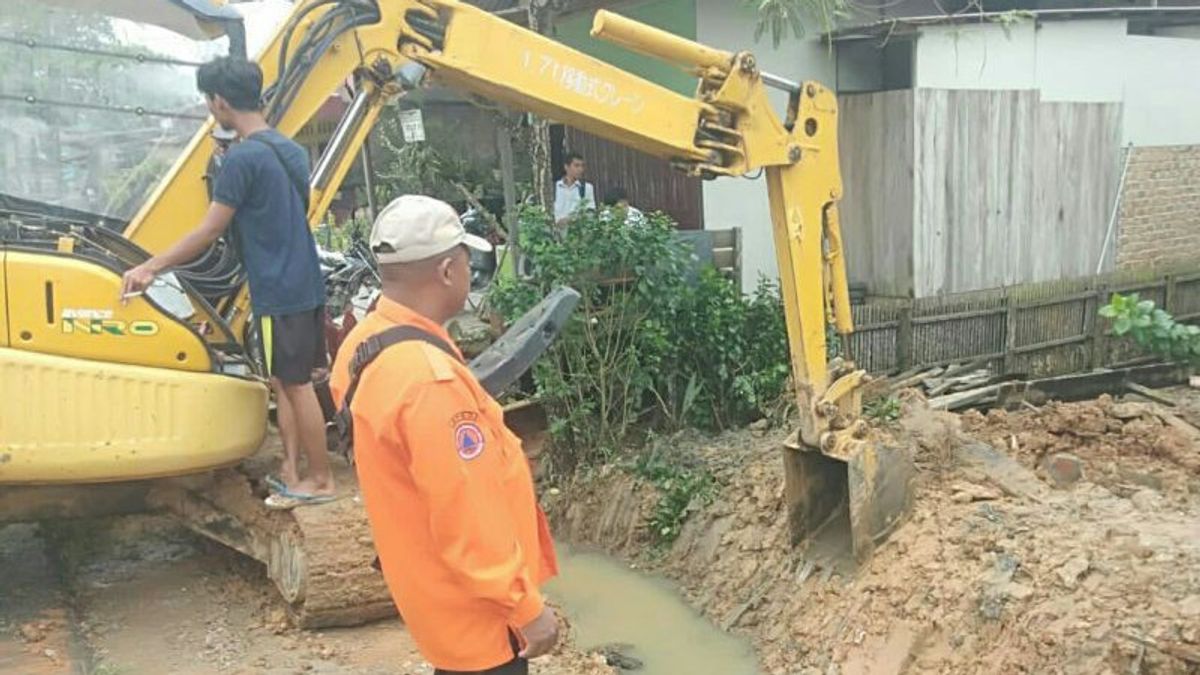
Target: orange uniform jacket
<point>449,496</point>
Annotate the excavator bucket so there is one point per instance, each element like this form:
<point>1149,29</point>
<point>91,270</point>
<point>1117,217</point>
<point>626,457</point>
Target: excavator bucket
<point>841,507</point>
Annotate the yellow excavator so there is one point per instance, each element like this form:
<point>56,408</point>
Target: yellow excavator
<point>105,406</point>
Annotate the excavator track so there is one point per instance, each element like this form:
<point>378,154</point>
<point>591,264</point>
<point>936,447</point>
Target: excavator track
<point>319,557</point>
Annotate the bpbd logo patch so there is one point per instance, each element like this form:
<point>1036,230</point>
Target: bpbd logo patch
<point>468,439</point>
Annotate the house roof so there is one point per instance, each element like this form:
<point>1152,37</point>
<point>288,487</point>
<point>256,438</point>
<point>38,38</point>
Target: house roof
<point>900,26</point>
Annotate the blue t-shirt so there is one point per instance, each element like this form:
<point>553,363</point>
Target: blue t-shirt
<point>269,224</point>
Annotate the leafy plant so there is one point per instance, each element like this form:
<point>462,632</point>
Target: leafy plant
<point>596,379</point>
<point>650,345</point>
<point>885,409</point>
<point>1153,329</point>
<point>681,489</point>
<point>339,238</point>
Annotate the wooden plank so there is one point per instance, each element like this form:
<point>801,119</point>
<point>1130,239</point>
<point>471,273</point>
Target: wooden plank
<point>726,238</point>
<point>1056,300</point>
<point>1147,392</point>
<point>724,258</point>
<point>1084,386</point>
<point>876,326</point>
<point>962,399</point>
<point>1048,344</point>
<point>959,316</point>
<point>877,174</point>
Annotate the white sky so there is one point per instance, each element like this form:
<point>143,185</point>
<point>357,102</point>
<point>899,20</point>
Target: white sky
<point>262,18</point>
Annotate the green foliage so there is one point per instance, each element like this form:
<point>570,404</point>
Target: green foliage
<point>886,409</point>
<point>449,160</point>
<point>781,16</point>
<point>650,344</point>
<point>743,374</point>
<point>681,489</point>
<point>341,237</point>
<point>1153,329</point>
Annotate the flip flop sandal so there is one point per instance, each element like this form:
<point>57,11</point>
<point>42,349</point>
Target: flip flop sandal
<point>284,500</point>
<point>275,483</point>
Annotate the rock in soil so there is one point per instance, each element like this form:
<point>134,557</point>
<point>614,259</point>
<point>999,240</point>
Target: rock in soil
<point>617,656</point>
<point>1063,469</point>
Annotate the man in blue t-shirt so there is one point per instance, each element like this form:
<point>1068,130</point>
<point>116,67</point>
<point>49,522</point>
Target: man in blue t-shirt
<point>262,192</point>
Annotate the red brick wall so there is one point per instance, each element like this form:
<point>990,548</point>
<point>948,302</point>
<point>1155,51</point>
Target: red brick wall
<point>1159,220</point>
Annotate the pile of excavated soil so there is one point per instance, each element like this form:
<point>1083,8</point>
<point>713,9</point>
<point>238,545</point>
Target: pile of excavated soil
<point>1122,445</point>
<point>993,572</point>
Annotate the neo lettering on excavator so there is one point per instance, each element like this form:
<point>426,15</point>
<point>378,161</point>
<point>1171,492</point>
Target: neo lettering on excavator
<point>182,399</point>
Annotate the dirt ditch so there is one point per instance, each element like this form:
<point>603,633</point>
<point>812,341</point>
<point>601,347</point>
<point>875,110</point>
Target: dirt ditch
<point>141,595</point>
<point>1004,565</point>
<point>1061,539</point>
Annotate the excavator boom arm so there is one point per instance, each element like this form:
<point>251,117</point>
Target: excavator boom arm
<point>727,129</point>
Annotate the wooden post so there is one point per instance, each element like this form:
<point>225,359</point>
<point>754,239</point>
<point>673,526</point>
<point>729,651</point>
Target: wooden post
<point>1010,335</point>
<point>904,338</point>
<point>1169,294</point>
<point>737,258</point>
<point>507,178</point>
<point>1099,341</point>
<point>538,15</point>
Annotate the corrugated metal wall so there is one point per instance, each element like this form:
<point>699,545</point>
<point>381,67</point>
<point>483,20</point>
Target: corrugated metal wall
<point>651,182</point>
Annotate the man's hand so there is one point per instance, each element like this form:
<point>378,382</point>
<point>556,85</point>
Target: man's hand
<point>193,244</point>
<point>540,635</point>
<point>136,280</point>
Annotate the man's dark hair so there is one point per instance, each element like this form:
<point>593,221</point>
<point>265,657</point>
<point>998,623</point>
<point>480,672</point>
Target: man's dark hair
<point>238,81</point>
<point>571,157</point>
<point>614,195</point>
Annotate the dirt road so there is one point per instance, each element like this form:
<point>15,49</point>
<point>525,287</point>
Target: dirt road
<point>138,594</point>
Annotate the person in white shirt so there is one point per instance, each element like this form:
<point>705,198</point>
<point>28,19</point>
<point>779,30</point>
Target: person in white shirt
<point>572,190</point>
<point>618,199</point>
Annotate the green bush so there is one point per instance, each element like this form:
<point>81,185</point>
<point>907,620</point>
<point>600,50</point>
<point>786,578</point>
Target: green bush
<point>649,345</point>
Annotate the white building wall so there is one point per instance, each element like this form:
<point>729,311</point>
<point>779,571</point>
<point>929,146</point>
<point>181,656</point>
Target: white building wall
<point>742,202</point>
<point>1085,61</point>
<point>976,56</point>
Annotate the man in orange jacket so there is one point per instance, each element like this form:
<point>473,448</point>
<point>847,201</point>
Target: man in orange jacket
<point>448,491</point>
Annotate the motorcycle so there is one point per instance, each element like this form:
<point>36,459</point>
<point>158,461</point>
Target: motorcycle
<point>353,286</point>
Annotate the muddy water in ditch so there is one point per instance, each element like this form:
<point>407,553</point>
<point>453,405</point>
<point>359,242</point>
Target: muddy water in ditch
<point>608,603</point>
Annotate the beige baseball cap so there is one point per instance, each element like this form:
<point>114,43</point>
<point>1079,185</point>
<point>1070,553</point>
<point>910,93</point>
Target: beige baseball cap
<point>416,227</point>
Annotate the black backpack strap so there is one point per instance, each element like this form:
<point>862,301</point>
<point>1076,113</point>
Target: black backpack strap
<point>300,183</point>
<point>364,354</point>
<point>370,348</point>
